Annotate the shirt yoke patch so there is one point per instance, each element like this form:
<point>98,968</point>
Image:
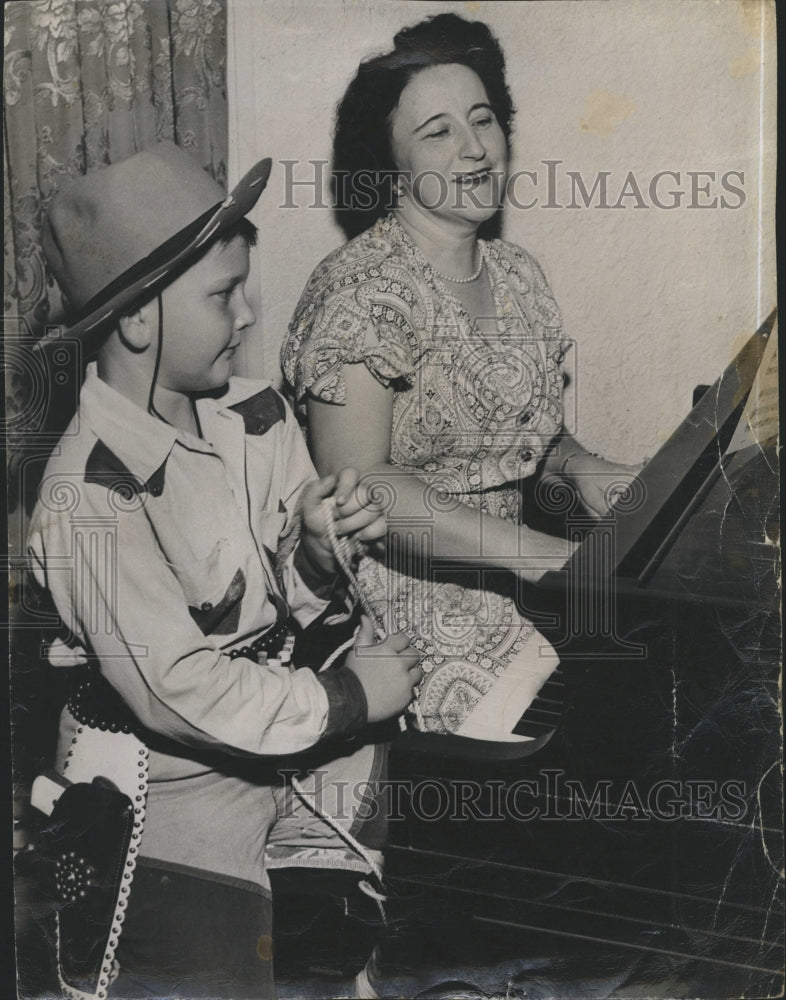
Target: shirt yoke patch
<point>224,617</point>
<point>104,468</point>
<point>262,411</point>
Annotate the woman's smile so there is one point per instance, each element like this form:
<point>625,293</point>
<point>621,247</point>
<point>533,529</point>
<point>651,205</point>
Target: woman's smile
<point>475,178</point>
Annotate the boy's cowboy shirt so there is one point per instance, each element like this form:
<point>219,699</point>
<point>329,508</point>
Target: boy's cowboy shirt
<point>164,556</point>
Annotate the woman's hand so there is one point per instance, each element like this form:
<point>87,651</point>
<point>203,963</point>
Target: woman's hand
<point>599,483</point>
<point>388,671</point>
<point>355,516</point>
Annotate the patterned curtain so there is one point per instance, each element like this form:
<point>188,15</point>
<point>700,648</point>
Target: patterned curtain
<point>87,83</point>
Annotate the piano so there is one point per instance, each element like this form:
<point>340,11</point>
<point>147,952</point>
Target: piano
<point>633,846</point>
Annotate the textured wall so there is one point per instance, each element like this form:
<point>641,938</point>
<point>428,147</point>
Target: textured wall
<point>655,298</point>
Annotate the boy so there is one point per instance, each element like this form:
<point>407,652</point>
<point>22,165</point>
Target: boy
<point>167,534</point>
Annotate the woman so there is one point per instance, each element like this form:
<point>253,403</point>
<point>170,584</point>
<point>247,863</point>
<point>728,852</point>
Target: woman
<point>432,360</point>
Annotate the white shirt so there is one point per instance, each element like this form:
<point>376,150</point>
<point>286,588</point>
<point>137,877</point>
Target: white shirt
<point>159,550</point>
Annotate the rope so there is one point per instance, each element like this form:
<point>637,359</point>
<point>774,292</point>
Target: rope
<point>343,553</point>
<point>342,549</point>
<point>353,843</point>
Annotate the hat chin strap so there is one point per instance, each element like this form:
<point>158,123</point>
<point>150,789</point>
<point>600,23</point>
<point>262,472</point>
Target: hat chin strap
<point>151,406</point>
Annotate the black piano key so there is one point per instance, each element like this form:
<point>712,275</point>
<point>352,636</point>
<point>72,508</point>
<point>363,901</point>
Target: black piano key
<point>532,729</point>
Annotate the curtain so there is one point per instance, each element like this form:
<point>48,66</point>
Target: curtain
<point>90,82</point>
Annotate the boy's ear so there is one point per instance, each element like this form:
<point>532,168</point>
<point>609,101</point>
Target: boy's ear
<point>139,329</point>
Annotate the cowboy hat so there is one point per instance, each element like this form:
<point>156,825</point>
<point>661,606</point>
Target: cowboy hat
<point>117,235</point>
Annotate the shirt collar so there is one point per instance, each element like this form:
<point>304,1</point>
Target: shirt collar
<point>142,442</point>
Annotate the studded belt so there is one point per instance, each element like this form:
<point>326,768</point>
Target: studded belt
<point>94,702</point>
<point>265,646</point>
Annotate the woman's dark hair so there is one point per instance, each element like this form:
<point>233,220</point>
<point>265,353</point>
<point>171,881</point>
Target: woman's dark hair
<point>363,168</point>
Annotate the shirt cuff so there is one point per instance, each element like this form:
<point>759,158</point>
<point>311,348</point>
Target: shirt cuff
<point>347,705</point>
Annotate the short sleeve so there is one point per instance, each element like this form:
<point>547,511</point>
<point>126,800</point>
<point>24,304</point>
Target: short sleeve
<point>361,305</point>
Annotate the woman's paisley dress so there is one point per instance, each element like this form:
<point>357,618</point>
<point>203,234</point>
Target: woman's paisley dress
<point>473,414</point>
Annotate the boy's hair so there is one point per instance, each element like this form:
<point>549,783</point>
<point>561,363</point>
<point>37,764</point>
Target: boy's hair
<point>244,228</point>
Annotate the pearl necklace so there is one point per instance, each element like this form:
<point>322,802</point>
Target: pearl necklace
<point>462,281</point>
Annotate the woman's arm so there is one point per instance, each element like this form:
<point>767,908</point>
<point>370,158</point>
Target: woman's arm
<point>358,434</point>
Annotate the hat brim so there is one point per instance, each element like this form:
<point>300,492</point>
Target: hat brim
<point>167,260</point>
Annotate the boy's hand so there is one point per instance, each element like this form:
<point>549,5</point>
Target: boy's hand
<point>388,671</point>
<point>356,517</point>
